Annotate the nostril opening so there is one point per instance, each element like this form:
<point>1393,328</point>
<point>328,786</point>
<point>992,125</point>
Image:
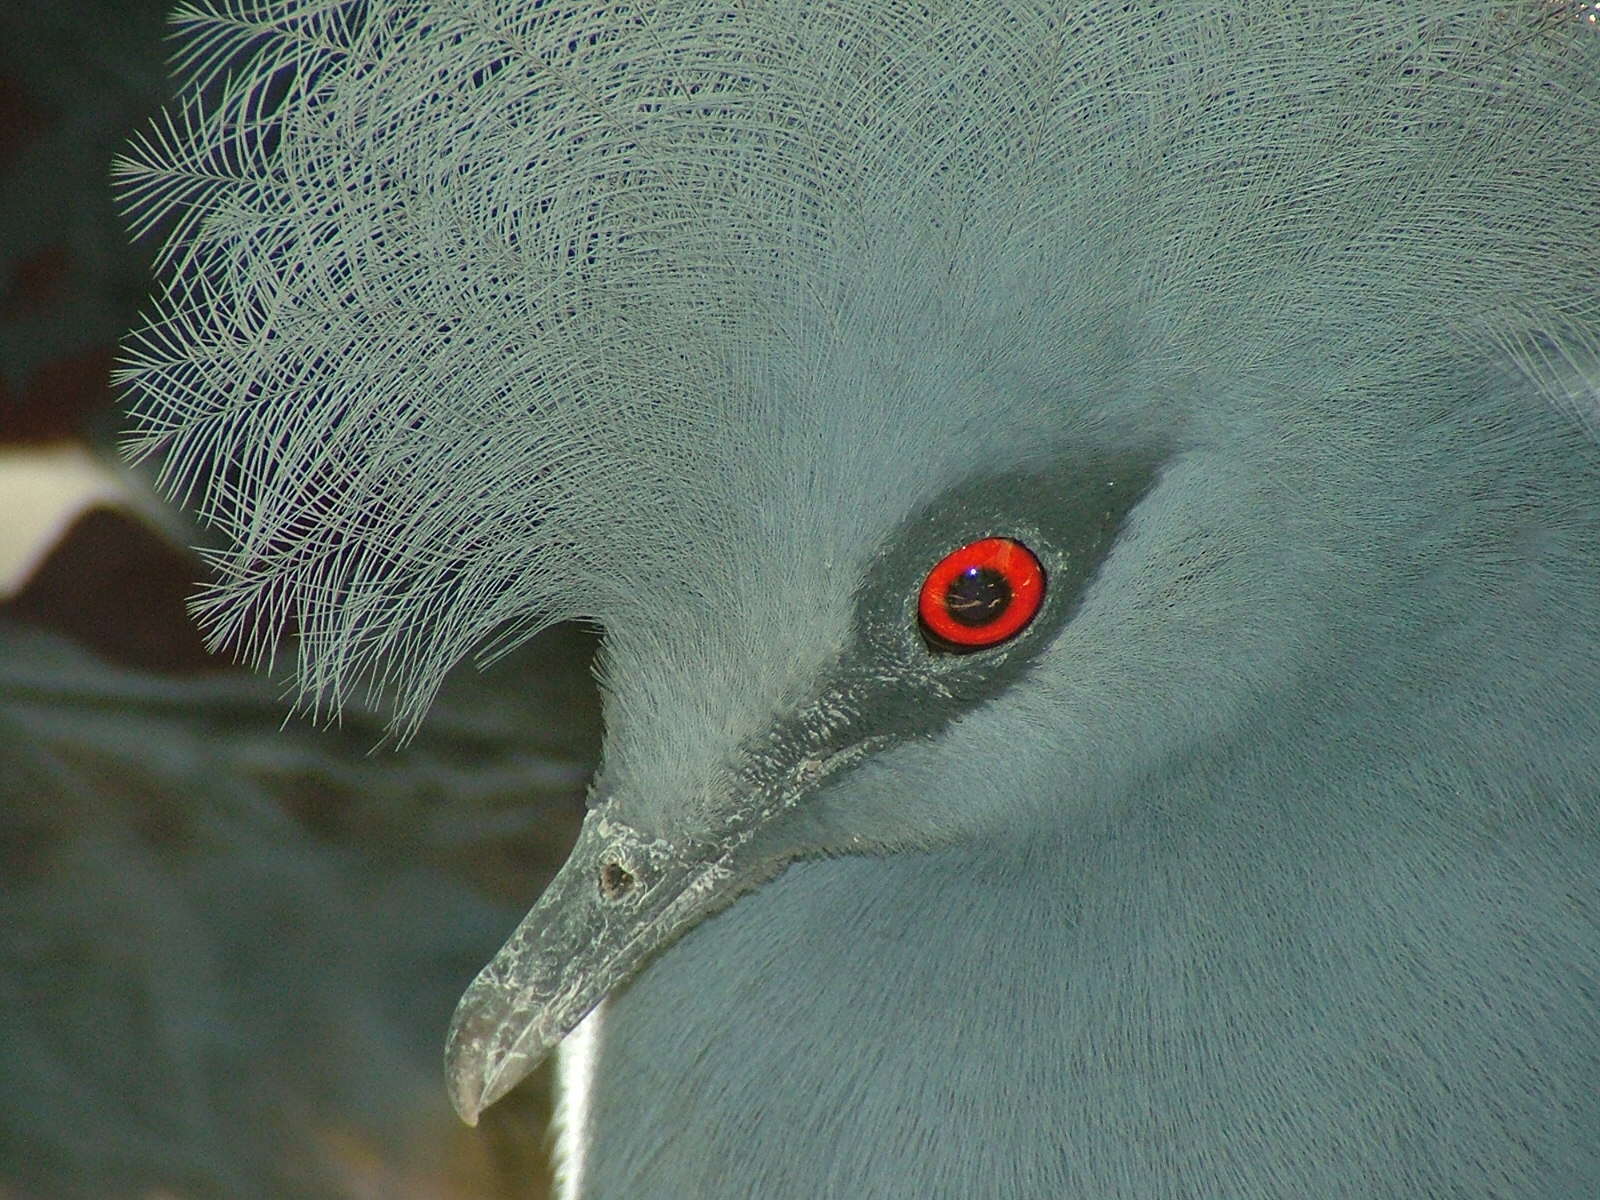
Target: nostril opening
<point>616,881</point>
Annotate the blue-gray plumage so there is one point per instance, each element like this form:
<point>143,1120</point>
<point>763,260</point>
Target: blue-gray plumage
<point>1260,862</point>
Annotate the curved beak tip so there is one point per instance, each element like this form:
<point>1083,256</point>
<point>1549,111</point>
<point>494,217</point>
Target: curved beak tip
<point>576,944</point>
<point>465,1108</point>
<point>480,1067</point>
<point>466,1079</point>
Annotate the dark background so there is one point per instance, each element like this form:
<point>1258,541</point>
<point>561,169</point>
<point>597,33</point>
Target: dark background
<point>229,946</point>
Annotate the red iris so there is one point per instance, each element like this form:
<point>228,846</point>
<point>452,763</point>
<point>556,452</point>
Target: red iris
<point>981,594</point>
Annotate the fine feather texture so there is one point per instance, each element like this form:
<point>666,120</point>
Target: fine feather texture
<point>1262,865</point>
<point>475,312</point>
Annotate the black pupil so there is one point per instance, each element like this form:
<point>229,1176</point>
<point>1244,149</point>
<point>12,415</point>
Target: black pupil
<point>977,596</point>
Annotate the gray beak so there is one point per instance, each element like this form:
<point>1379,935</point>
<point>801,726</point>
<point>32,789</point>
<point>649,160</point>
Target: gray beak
<point>620,897</point>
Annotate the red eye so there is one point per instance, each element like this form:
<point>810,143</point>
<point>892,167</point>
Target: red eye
<point>981,594</point>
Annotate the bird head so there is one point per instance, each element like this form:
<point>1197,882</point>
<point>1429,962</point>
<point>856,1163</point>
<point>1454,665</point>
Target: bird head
<point>949,417</point>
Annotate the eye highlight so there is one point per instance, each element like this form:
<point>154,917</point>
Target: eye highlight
<point>981,595</point>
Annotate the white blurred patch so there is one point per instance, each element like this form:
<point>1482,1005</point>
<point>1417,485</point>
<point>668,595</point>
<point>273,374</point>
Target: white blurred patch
<point>577,1060</point>
<point>47,488</point>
